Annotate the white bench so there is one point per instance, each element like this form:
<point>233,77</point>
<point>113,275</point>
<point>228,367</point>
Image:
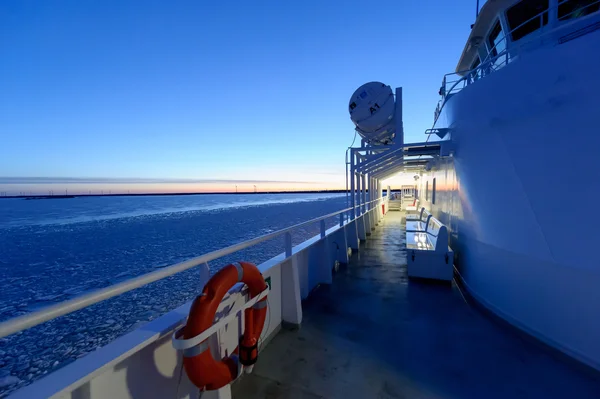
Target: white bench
<point>417,221</point>
<point>429,255</point>
<point>410,205</point>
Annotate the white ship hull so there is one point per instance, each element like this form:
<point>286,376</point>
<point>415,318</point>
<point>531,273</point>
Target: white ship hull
<point>517,193</point>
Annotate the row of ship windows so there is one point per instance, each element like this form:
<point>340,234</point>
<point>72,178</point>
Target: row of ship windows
<point>518,15</point>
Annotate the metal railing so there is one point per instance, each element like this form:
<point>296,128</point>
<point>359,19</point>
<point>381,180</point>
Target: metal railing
<point>495,60</point>
<point>24,322</point>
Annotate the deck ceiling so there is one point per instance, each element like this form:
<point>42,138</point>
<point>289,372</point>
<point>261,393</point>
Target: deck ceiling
<point>384,162</point>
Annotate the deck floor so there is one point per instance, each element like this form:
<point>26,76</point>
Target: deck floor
<point>374,334</point>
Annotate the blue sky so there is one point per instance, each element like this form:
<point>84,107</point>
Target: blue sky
<point>216,91</point>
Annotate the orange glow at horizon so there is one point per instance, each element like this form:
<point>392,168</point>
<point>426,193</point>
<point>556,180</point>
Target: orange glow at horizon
<point>164,188</point>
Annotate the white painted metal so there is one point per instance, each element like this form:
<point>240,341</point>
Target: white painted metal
<point>398,118</point>
<point>417,217</point>
<point>497,191</point>
<point>493,60</point>
<point>291,305</point>
<point>288,244</point>
<point>428,253</point>
<point>363,187</point>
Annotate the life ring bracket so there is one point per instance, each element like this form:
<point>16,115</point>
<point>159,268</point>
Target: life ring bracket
<point>184,344</point>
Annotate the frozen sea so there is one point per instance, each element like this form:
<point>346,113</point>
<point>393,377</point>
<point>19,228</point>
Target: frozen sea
<point>53,250</point>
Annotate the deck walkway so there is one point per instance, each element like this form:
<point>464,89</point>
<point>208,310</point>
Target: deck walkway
<point>372,334</point>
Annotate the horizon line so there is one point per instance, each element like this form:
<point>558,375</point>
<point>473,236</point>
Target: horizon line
<point>134,180</point>
<point>59,196</point>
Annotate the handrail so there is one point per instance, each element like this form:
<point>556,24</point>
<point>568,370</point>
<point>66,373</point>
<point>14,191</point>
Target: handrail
<point>24,322</point>
<point>488,64</point>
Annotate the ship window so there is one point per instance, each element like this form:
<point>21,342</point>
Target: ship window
<point>571,9</point>
<point>496,41</point>
<point>521,17</point>
<point>433,192</point>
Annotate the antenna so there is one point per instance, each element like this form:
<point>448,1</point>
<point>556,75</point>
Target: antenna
<point>477,10</point>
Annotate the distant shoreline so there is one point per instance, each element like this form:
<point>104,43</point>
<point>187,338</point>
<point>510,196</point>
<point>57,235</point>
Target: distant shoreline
<point>40,197</point>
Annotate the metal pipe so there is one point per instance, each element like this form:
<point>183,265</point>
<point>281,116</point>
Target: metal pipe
<point>388,161</point>
<point>378,157</point>
<point>364,193</point>
<point>399,140</point>
<point>371,190</point>
<point>352,185</point>
<point>358,183</point>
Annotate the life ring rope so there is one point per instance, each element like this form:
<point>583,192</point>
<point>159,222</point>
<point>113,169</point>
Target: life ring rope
<point>184,344</point>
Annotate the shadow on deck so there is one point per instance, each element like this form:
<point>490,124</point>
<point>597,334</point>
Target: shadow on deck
<point>372,334</point>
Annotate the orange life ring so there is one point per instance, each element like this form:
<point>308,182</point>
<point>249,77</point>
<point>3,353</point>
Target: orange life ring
<point>202,369</point>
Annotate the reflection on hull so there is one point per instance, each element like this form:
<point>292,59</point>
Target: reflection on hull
<point>517,190</point>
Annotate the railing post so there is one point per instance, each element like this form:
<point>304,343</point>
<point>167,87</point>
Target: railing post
<point>359,194</point>
<point>288,244</point>
<point>341,219</point>
<point>322,228</point>
<point>443,91</point>
<point>363,187</point>
<point>291,303</point>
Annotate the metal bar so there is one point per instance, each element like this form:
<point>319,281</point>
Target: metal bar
<point>399,118</point>
<point>395,157</point>
<point>352,185</point>
<point>322,229</point>
<point>376,157</point>
<point>51,312</point>
<point>287,238</point>
<point>358,194</point>
<point>389,172</point>
<point>372,168</point>
<point>341,219</point>
<point>364,193</point>
<point>384,163</point>
<point>383,172</point>
<point>371,190</point>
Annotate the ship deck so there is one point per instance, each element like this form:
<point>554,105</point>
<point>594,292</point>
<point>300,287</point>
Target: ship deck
<point>374,334</point>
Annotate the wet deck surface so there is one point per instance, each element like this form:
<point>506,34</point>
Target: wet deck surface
<point>374,334</point>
